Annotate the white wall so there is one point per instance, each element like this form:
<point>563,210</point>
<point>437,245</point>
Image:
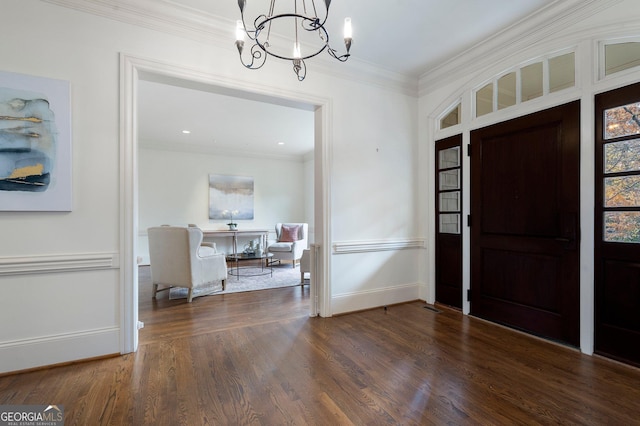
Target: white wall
<point>174,189</point>
<point>62,273</point>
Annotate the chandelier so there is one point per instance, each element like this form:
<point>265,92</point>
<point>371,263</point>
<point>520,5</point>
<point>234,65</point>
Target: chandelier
<point>306,26</point>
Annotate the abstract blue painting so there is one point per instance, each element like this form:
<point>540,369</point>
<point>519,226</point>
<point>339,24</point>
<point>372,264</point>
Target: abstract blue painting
<point>35,144</point>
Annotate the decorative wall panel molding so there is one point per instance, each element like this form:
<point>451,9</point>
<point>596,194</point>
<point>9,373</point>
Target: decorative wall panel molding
<point>57,263</point>
<point>377,245</point>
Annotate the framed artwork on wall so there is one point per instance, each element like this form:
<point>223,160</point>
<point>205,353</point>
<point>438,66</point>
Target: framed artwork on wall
<point>35,143</point>
<point>230,197</point>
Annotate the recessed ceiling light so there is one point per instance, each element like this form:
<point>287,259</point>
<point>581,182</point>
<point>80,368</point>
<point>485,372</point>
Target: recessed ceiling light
<point>280,143</point>
<point>186,132</point>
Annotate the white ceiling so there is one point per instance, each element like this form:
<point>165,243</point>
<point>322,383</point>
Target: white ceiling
<point>226,124</point>
<point>403,36</point>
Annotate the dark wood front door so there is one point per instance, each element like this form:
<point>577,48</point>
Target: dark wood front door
<point>449,221</point>
<point>525,203</point>
<point>617,224</point>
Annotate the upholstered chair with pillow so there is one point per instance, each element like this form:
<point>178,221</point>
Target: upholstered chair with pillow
<point>179,258</point>
<point>291,240</point>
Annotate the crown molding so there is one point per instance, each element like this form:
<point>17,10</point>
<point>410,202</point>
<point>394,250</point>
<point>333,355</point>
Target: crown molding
<point>172,18</point>
<point>159,15</point>
<point>530,30</point>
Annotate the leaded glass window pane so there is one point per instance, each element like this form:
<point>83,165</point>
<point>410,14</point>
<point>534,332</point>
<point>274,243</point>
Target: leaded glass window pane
<point>622,191</point>
<point>451,119</point>
<point>621,56</point>
<point>622,156</point>
<point>450,201</point>
<point>507,90</point>
<point>449,158</point>
<point>531,85</point>
<point>450,223</point>
<point>449,180</point>
<point>484,100</point>
<point>622,227</point>
<point>562,72</point>
<point>622,121</point>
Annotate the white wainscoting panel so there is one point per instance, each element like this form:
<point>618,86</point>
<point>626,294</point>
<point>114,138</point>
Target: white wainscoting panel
<point>58,308</point>
<point>370,274</point>
<point>55,349</point>
<point>368,299</point>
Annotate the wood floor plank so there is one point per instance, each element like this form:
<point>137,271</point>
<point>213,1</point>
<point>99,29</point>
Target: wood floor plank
<point>257,358</point>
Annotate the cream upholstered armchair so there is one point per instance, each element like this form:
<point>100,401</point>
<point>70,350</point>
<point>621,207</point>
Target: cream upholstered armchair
<point>179,258</point>
<point>291,240</point>
<point>305,264</point>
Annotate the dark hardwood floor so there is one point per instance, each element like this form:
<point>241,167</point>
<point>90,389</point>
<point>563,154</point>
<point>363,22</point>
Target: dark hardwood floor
<point>258,358</point>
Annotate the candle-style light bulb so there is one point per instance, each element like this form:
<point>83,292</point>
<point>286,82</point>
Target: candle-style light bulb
<point>348,30</point>
<point>239,31</point>
<point>348,33</point>
<point>240,37</point>
<point>296,50</point>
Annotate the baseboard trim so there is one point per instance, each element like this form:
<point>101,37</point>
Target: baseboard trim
<point>47,264</point>
<point>25,354</point>
<point>60,364</point>
<point>369,299</point>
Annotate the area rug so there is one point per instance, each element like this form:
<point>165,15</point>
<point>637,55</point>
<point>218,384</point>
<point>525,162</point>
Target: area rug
<point>250,280</point>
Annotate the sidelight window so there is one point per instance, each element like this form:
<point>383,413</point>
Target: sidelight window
<point>449,190</point>
<point>621,174</point>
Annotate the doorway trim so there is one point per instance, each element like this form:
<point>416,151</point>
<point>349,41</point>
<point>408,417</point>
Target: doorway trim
<point>131,69</point>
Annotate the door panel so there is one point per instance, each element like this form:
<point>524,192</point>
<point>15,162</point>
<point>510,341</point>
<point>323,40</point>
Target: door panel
<point>536,274</point>
<point>617,224</point>
<point>524,233</point>
<point>516,181</point>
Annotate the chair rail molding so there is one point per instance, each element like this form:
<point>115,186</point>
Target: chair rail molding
<point>45,264</point>
<point>345,247</point>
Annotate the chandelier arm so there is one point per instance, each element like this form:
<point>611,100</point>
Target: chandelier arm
<point>324,35</point>
<point>258,58</point>
<point>259,23</point>
<point>341,58</point>
<point>260,49</point>
<point>252,34</point>
<point>315,13</point>
<point>300,68</point>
